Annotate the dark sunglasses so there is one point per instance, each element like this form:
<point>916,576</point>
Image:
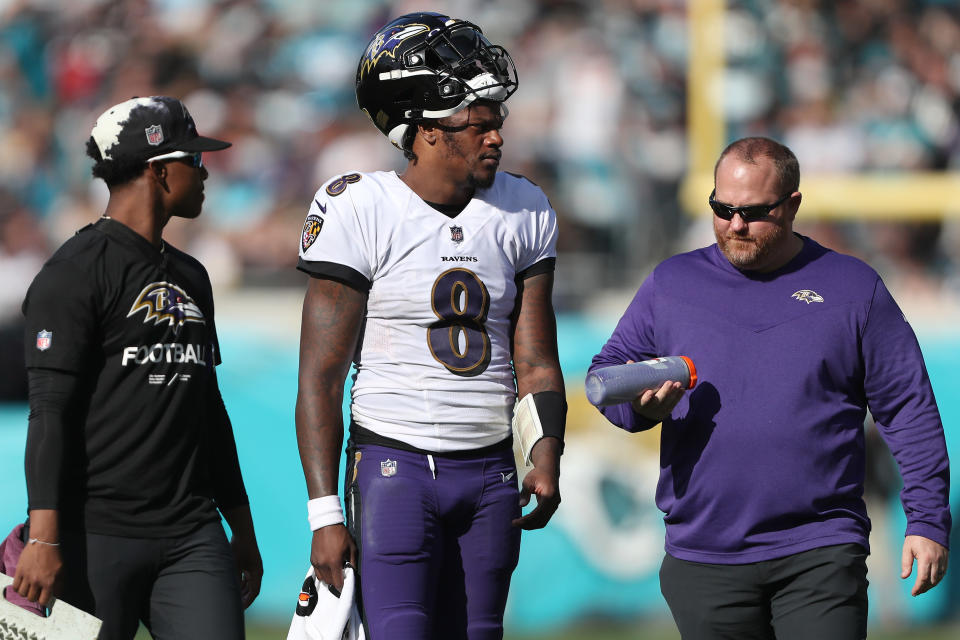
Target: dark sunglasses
<point>749,213</point>
<point>194,159</point>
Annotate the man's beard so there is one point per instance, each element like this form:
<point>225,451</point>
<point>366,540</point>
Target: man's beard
<point>753,253</point>
<point>477,178</point>
<point>481,182</point>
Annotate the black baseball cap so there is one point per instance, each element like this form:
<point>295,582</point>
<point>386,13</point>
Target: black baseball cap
<point>143,128</point>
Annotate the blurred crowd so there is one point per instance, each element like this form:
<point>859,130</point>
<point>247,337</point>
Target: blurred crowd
<point>599,120</point>
<point>855,86</point>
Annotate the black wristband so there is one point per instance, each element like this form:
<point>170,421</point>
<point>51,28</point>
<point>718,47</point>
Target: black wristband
<point>552,410</point>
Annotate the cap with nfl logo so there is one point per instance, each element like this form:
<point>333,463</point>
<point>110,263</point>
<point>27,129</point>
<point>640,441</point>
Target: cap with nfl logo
<point>141,129</point>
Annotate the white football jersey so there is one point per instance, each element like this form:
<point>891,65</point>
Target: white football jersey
<point>433,368</point>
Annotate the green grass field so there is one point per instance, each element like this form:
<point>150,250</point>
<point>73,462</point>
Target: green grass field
<point>660,631</point>
<point>635,631</point>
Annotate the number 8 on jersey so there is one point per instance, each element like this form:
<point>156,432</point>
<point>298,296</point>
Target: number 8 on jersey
<point>460,301</point>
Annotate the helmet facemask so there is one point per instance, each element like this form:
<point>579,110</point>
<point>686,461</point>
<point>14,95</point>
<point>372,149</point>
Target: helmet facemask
<point>467,67</point>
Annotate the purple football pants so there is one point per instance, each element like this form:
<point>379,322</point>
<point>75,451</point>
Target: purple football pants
<point>436,545</point>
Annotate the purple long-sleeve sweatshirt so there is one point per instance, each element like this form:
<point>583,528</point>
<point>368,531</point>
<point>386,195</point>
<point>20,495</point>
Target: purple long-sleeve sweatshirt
<point>765,456</point>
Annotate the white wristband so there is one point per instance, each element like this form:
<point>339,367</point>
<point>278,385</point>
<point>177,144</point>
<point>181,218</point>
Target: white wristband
<point>322,512</point>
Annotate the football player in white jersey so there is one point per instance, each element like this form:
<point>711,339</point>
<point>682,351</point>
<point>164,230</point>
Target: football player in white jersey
<point>436,285</point>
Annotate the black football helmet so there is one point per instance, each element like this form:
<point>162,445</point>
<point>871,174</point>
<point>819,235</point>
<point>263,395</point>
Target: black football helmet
<point>427,65</point>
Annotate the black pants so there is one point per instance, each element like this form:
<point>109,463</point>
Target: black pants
<point>819,594</point>
<point>181,588</point>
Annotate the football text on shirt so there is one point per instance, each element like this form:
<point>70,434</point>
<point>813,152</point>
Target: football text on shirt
<point>169,352</point>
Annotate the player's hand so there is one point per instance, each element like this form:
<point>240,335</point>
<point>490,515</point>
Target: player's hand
<point>931,562</point>
<point>543,481</point>
<point>38,573</point>
<point>243,543</point>
<point>657,404</point>
<point>332,549</point>
<point>248,559</point>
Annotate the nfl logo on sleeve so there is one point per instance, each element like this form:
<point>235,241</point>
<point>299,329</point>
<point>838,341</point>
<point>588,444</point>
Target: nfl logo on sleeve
<point>44,340</point>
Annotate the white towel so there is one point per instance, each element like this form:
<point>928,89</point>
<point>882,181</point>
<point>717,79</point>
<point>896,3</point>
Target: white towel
<point>321,615</point>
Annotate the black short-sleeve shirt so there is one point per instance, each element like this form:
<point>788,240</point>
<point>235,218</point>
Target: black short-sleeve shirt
<point>135,323</point>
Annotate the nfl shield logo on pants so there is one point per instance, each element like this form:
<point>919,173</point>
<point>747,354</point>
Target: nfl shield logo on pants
<point>44,339</point>
<point>388,468</point>
<point>154,134</point>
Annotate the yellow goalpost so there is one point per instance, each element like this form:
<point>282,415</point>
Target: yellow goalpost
<point>905,196</point>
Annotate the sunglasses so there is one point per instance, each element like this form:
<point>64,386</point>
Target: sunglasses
<point>749,213</point>
<point>194,159</point>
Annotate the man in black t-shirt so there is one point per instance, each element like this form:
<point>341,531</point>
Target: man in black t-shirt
<point>130,453</point>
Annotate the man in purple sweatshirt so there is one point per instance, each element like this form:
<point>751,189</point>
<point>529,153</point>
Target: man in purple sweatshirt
<point>762,463</point>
